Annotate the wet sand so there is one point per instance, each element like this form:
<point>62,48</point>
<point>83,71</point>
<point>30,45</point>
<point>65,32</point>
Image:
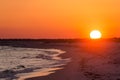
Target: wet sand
<point>88,62</point>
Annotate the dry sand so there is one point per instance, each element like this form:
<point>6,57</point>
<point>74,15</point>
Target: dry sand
<point>89,61</point>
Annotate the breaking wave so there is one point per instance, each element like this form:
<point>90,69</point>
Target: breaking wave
<point>21,63</point>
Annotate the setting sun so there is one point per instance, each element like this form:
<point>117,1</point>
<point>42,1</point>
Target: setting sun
<point>95,34</point>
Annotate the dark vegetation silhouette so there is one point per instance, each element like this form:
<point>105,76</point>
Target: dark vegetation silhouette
<point>27,42</point>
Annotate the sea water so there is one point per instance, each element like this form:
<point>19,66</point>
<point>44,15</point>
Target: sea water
<point>19,63</point>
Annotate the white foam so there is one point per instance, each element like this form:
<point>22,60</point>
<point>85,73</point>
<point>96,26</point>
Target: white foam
<point>14,62</point>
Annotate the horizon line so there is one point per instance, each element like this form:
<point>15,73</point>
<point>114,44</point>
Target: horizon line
<point>50,38</point>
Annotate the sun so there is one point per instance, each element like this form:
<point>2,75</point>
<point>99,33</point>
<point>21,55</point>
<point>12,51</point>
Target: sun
<point>95,34</point>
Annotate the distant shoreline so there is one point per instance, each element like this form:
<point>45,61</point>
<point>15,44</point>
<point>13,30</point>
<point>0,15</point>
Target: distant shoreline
<point>62,40</point>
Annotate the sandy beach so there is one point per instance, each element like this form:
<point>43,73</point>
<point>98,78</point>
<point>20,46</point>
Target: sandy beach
<point>89,61</point>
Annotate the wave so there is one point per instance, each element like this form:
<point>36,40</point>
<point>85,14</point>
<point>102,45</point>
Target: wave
<point>21,63</point>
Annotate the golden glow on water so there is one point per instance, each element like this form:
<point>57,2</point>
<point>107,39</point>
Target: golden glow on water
<point>39,73</point>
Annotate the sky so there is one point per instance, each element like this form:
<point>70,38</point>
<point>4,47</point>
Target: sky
<point>59,18</point>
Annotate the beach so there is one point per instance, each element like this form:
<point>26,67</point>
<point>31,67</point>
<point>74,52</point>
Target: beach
<point>88,61</point>
<point>99,63</point>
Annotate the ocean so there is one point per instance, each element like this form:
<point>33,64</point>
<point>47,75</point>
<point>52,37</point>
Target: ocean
<point>19,63</point>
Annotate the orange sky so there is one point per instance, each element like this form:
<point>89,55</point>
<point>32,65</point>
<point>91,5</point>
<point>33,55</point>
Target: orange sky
<point>58,18</point>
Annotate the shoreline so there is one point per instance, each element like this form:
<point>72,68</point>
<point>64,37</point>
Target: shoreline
<point>39,73</point>
<point>23,71</point>
<point>89,61</point>
<point>46,72</point>
<point>59,74</point>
